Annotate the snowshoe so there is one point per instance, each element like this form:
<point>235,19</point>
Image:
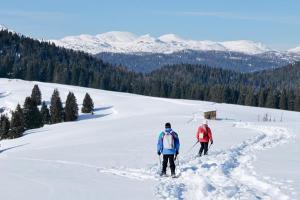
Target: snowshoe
<point>163,174</point>
<point>175,176</point>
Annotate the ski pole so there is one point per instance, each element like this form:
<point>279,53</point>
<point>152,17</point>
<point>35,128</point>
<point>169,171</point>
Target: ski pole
<point>159,160</point>
<point>177,164</point>
<point>192,147</point>
<point>209,146</point>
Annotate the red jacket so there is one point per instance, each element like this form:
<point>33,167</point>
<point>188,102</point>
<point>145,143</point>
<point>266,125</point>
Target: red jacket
<point>204,134</point>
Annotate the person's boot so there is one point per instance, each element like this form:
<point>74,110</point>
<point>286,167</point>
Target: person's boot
<point>163,173</point>
<point>173,175</point>
<point>199,153</point>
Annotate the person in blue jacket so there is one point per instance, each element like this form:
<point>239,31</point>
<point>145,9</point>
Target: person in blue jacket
<point>168,145</point>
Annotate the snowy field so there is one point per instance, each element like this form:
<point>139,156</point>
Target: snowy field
<point>112,154</point>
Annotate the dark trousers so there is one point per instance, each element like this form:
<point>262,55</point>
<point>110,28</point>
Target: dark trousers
<point>204,147</point>
<point>169,158</point>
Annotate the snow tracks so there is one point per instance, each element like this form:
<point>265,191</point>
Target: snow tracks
<point>227,174</point>
<point>221,175</point>
<point>224,174</point>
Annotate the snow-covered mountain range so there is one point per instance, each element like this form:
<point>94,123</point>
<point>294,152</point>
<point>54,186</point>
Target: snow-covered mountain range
<point>126,42</point>
<point>146,53</point>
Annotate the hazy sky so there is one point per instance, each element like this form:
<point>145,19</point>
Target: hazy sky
<point>273,22</point>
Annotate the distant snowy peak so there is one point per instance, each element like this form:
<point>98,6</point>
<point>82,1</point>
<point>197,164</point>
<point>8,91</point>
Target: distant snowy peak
<point>117,36</point>
<point>246,46</point>
<point>295,50</point>
<point>2,27</point>
<point>125,42</point>
<point>170,38</point>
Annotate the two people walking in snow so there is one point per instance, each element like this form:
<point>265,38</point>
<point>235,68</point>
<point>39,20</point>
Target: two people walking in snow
<point>168,145</point>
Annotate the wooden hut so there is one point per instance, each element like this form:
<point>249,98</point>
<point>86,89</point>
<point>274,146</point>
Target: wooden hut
<point>211,114</point>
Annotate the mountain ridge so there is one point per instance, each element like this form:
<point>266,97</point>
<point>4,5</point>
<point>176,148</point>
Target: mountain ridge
<point>145,53</point>
<point>108,42</point>
<point>126,42</point>
<point>147,62</point>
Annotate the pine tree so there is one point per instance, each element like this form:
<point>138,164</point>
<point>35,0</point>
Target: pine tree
<point>297,103</point>
<point>262,97</point>
<point>56,108</point>
<point>272,99</point>
<point>227,95</point>
<point>32,115</point>
<point>4,127</point>
<point>250,99</point>
<point>71,108</point>
<point>88,104</point>
<point>17,123</point>
<point>45,113</point>
<point>283,104</point>
<point>242,96</point>
<point>36,95</point>
<point>291,100</point>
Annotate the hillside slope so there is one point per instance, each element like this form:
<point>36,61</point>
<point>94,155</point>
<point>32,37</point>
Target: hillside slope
<point>115,150</point>
<point>286,77</point>
<point>241,62</point>
<point>25,58</point>
<point>146,53</point>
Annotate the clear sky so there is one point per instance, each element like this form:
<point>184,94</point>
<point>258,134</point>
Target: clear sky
<point>273,22</point>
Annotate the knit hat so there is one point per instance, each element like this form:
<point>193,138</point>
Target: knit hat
<point>168,125</point>
<point>205,122</point>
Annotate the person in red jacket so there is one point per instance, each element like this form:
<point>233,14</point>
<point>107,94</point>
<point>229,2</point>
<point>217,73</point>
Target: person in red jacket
<point>204,135</point>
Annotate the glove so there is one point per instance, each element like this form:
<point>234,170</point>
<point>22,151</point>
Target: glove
<point>177,152</point>
<point>158,153</point>
<point>211,142</point>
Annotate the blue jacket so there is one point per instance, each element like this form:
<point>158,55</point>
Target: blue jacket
<point>160,145</point>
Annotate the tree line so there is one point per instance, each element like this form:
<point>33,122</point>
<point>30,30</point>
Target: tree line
<point>147,62</point>
<point>25,58</point>
<point>223,86</point>
<point>30,116</point>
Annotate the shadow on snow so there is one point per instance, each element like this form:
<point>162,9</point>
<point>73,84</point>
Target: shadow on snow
<point>102,108</point>
<point>13,147</point>
<point>91,116</point>
<point>95,115</point>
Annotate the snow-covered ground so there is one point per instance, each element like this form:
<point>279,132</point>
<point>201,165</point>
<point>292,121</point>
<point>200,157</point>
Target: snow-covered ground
<point>112,154</point>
